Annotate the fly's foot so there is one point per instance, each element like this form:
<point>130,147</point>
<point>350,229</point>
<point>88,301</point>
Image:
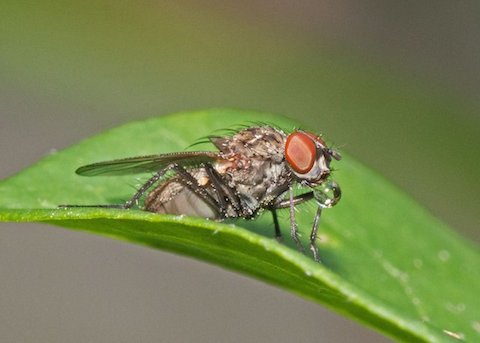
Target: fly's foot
<point>296,239</point>
<point>314,250</point>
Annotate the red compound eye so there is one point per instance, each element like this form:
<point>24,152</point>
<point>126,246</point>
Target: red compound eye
<point>300,152</point>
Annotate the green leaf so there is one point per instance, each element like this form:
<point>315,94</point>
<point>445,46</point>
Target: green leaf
<point>386,261</point>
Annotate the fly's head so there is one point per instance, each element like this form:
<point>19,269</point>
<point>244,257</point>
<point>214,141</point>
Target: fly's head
<point>309,157</point>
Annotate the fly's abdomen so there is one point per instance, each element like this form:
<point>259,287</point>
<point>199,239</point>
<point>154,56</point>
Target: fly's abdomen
<point>173,197</point>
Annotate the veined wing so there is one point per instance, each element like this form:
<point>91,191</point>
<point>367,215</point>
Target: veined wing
<point>145,164</point>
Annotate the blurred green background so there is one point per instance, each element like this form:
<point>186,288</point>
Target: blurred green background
<point>395,84</point>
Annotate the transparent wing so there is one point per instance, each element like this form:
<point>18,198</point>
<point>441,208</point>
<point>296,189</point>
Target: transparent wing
<point>145,164</point>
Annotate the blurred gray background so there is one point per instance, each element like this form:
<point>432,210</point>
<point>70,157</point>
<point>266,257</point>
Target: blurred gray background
<point>395,84</point>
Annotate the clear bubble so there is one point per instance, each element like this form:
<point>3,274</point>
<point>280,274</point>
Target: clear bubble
<point>327,194</point>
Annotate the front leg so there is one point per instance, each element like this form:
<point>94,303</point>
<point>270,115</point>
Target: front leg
<point>293,222</point>
<point>299,199</point>
<point>326,197</point>
<point>313,235</point>
<point>281,204</point>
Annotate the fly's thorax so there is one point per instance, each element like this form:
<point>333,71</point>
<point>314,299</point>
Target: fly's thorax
<point>253,163</point>
<point>254,179</point>
<point>254,142</point>
<point>247,156</point>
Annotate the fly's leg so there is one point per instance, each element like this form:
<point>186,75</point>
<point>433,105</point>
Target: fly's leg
<point>222,203</point>
<point>224,193</point>
<point>293,223</point>
<point>313,235</point>
<point>232,194</point>
<point>280,204</point>
<point>326,197</point>
<point>299,199</point>
<point>278,233</point>
<point>133,200</point>
<point>144,188</point>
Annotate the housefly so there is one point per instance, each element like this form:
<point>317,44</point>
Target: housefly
<point>254,169</point>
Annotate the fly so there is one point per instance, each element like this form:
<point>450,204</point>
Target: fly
<point>253,170</point>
